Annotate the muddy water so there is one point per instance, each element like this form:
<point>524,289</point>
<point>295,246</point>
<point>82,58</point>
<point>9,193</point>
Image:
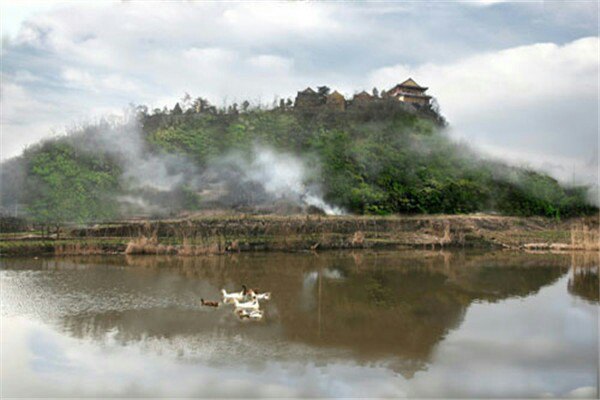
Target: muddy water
<point>416,324</point>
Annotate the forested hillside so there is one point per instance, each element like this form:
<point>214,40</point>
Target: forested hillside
<point>379,158</point>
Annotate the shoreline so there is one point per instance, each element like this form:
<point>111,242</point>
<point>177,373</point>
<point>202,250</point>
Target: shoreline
<point>232,233</point>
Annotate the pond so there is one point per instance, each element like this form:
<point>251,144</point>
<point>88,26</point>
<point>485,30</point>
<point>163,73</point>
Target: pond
<point>339,324</point>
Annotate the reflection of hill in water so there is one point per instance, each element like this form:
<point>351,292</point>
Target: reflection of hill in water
<point>584,283</point>
<point>583,280</point>
<point>391,305</point>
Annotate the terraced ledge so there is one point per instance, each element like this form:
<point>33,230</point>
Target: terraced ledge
<point>216,234</point>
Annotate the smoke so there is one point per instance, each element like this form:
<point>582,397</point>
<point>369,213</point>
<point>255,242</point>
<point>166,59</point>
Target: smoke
<point>154,180</point>
<point>284,176</point>
<point>142,166</point>
<point>265,177</point>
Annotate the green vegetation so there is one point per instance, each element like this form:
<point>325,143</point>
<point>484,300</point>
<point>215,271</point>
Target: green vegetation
<point>377,159</point>
<point>66,185</point>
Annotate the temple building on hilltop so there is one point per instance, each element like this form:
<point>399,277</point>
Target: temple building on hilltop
<point>336,101</point>
<point>409,91</point>
<point>361,99</point>
<point>308,99</point>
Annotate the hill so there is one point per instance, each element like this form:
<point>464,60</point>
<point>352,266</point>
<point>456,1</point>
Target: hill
<point>378,158</point>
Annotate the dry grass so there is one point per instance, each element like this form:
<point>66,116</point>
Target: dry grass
<point>358,239</point>
<point>78,249</point>
<point>584,238</point>
<point>150,245</point>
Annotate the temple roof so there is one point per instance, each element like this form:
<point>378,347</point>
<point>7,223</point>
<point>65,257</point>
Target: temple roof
<point>410,83</point>
<point>336,94</point>
<point>362,94</point>
<point>308,90</point>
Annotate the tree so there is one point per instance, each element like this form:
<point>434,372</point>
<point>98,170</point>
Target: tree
<point>323,90</point>
<point>199,104</point>
<point>177,110</point>
<point>141,111</point>
<point>375,92</point>
<point>245,105</point>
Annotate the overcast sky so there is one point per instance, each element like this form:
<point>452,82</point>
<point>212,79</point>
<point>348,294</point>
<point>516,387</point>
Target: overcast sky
<point>518,80</point>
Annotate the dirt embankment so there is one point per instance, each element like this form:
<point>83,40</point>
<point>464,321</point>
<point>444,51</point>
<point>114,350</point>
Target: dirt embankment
<point>232,233</point>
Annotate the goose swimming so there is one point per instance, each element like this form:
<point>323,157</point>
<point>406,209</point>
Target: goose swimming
<point>248,305</point>
<point>229,297</point>
<point>263,296</point>
<point>250,314</point>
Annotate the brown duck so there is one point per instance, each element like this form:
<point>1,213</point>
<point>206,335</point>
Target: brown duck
<point>209,303</point>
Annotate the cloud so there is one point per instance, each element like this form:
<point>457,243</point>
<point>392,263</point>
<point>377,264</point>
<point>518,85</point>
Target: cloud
<point>85,80</point>
<point>483,3</point>
<point>17,102</point>
<point>538,101</point>
<point>208,56</point>
<point>267,21</point>
<point>271,62</point>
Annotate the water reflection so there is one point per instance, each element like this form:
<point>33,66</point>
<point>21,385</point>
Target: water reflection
<point>583,280</point>
<point>391,309</point>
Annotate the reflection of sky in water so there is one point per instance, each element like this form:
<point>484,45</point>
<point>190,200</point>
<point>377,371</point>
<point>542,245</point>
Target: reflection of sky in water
<point>541,345</point>
<point>307,298</point>
<point>61,366</point>
<point>310,280</point>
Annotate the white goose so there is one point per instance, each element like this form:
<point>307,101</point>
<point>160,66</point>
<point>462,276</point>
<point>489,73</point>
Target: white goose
<point>248,305</point>
<point>263,296</point>
<point>230,297</point>
<point>250,314</point>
